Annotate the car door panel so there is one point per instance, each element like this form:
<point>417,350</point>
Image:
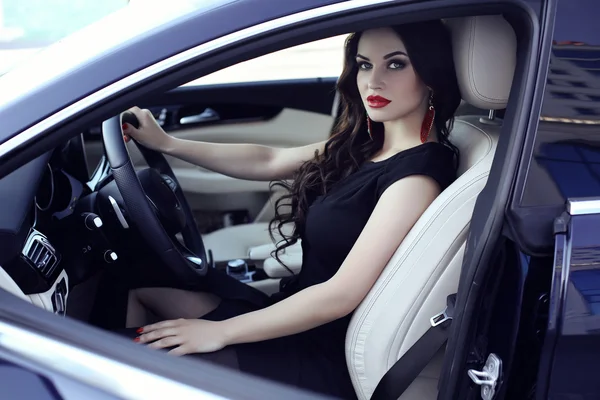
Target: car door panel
<point>544,324</point>
<point>278,114</point>
<point>571,343</point>
<point>236,104</point>
<point>22,379</point>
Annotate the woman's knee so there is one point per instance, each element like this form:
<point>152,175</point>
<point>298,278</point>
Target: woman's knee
<point>142,296</point>
<point>172,303</point>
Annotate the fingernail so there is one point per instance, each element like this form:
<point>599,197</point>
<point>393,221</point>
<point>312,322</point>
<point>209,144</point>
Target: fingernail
<point>140,330</point>
<point>126,138</point>
<point>137,339</point>
<point>124,126</point>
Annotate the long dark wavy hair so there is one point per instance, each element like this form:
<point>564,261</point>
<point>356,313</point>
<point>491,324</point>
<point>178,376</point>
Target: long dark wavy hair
<point>429,49</point>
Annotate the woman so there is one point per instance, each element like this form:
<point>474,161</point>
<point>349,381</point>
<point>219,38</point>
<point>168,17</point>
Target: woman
<point>353,199</point>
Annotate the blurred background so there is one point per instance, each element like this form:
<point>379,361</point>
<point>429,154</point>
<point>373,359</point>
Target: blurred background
<point>27,26</point>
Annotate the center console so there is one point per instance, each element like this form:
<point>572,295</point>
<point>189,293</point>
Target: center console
<point>260,265</point>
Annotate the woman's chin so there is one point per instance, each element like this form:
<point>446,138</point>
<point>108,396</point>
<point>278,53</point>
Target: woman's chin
<point>379,118</point>
<point>381,114</point>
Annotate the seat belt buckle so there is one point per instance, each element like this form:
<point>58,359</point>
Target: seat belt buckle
<point>445,315</point>
<point>440,318</point>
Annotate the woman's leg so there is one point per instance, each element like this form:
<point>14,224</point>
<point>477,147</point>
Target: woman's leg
<point>167,303</point>
<point>226,357</point>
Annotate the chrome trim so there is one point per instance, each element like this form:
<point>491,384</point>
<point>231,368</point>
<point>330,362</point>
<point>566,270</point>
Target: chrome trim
<point>119,379</point>
<point>171,62</point>
<point>564,120</point>
<point>195,260</point>
<point>60,303</point>
<point>487,377</point>
<point>440,318</point>
<point>583,206</point>
<point>101,171</point>
<point>45,258</point>
<point>118,213</point>
<point>236,263</point>
<point>205,116</point>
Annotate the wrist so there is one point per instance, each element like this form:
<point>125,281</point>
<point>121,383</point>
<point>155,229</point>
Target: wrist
<point>167,145</point>
<point>229,331</point>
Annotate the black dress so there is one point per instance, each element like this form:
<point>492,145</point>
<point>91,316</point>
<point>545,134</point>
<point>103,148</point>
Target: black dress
<point>315,359</point>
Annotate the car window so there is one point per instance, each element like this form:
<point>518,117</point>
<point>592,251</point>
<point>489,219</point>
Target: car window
<point>566,162</point>
<point>318,59</point>
<point>27,26</point>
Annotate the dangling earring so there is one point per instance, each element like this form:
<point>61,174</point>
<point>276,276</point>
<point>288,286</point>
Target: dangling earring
<point>369,127</point>
<point>428,120</point>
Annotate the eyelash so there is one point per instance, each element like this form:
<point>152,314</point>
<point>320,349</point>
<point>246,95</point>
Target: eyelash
<point>401,65</point>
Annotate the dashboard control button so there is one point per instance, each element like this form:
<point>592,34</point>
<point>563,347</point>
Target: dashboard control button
<point>110,256</point>
<point>92,221</point>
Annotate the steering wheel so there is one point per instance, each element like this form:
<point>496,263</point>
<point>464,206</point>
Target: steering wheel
<point>154,202</point>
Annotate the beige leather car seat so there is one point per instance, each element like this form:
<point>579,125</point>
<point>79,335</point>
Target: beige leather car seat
<point>426,267</point>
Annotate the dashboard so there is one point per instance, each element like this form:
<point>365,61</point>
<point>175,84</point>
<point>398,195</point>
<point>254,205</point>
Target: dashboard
<point>50,238</point>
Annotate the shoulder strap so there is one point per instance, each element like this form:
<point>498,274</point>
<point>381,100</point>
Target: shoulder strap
<point>398,378</point>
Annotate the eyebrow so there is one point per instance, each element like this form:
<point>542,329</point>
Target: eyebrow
<point>395,53</point>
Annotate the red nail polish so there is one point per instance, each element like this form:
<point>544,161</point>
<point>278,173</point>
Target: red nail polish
<point>140,330</point>
<point>124,126</point>
<point>137,339</point>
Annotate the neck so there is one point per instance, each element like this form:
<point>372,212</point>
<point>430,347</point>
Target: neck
<point>405,132</point>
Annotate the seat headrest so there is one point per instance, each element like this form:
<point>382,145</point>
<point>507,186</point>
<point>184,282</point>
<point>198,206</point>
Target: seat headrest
<point>485,53</point>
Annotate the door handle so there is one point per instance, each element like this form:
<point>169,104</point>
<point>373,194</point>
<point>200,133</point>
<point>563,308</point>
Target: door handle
<point>207,115</point>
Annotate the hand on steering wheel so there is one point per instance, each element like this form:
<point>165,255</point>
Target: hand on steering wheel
<point>141,126</point>
<point>162,212</point>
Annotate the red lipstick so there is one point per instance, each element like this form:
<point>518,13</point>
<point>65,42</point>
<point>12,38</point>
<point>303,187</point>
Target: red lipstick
<point>377,101</point>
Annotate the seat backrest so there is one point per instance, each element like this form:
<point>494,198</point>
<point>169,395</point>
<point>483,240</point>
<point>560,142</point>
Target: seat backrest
<point>425,268</point>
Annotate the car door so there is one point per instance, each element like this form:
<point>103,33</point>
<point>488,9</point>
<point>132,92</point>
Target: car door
<point>535,332</point>
<point>565,177</point>
<point>283,99</point>
<point>22,379</point>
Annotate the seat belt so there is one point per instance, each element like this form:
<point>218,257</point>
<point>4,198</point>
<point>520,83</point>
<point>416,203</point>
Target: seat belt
<point>398,378</point>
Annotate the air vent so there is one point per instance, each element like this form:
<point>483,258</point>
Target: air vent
<point>40,253</point>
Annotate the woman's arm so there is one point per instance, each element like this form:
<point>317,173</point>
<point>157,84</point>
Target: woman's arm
<point>242,161</point>
<point>399,207</point>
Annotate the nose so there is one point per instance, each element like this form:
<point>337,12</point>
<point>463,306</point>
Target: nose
<point>376,80</point>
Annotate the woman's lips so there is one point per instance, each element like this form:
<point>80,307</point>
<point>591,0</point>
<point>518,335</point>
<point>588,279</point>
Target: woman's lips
<point>377,101</point>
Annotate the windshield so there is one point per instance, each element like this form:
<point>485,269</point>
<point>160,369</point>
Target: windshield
<point>26,26</point>
<point>40,44</point>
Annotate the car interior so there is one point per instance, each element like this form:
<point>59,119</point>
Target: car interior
<point>77,234</point>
